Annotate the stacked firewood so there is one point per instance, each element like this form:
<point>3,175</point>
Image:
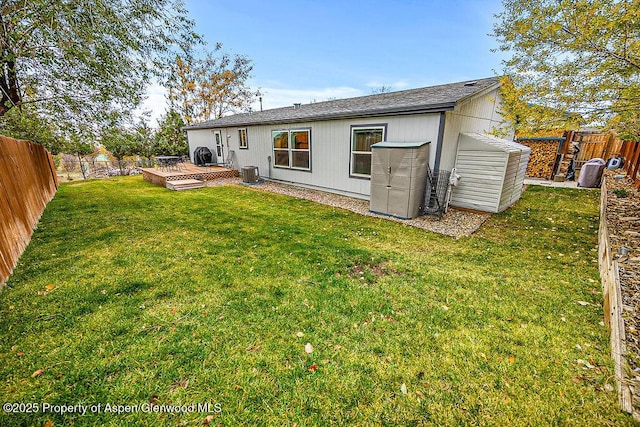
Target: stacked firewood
<point>542,159</point>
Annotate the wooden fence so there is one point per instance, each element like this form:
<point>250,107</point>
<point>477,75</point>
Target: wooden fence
<point>551,156</point>
<point>630,151</point>
<point>606,146</point>
<point>27,183</point>
<point>596,145</point>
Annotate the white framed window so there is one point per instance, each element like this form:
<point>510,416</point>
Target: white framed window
<point>280,149</point>
<point>292,148</point>
<point>362,138</point>
<point>242,135</point>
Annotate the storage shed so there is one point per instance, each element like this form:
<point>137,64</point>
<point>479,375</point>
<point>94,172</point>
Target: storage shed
<point>491,172</point>
<point>398,177</point>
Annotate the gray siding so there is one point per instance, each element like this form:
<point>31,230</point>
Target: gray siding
<point>330,149</point>
<point>331,139</point>
<point>200,138</point>
<point>479,114</point>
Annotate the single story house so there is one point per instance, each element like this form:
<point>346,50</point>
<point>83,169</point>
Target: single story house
<point>327,145</point>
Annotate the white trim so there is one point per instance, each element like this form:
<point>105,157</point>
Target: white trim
<point>246,139</point>
<point>354,128</point>
<point>478,94</point>
<point>290,148</point>
<point>218,145</point>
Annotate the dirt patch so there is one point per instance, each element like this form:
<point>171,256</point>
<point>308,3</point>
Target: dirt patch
<point>377,270</point>
<point>623,223</point>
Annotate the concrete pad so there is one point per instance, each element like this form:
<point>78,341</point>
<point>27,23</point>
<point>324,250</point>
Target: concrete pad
<point>544,182</point>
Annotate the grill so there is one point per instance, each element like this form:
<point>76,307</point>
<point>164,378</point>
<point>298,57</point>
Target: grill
<point>202,156</point>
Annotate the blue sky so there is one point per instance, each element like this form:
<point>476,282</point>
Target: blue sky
<point>305,51</point>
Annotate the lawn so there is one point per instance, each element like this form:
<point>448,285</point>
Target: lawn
<point>231,306</point>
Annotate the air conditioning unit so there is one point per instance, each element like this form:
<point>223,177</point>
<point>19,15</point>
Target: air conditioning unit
<point>250,174</point>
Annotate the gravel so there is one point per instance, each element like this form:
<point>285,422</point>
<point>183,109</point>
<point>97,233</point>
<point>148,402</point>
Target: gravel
<point>455,223</point>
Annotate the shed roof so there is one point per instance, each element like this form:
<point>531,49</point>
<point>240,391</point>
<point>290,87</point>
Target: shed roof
<point>491,143</point>
<point>423,100</point>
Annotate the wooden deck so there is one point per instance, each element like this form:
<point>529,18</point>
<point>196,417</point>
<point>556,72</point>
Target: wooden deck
<point>160,176</point>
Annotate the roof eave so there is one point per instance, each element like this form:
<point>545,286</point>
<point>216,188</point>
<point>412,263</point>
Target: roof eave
<point>432,108</point>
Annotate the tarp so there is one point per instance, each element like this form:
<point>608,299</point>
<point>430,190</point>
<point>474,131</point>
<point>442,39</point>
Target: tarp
<point>591,173</point>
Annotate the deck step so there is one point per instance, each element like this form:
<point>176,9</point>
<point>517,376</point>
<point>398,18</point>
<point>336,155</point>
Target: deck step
<point>185,184</point>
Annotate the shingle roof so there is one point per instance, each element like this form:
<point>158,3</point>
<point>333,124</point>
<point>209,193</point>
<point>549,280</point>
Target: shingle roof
<point>427,99</point>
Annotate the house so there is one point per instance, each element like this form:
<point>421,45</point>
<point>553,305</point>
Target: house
<point>327,145</point>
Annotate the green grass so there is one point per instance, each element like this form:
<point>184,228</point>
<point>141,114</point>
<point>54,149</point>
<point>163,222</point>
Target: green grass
<point>130,294</point>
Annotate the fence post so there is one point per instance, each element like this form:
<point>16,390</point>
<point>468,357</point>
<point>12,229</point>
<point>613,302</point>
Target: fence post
<point>609,146</point>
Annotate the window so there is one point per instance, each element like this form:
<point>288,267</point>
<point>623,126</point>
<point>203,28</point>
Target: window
<point>281,148</point>
<point>300,149</point>
<point>292,148</point>
<point>242,134</point>
<point>362,138</point>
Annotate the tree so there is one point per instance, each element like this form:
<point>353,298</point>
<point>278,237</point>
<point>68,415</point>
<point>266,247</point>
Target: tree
<point>120,142</point>
<point>627,118</point>
<point>574,57</point>
<point>169,137</point>
<point>207,88</point>
<point>69,163</point>
<point>80,146</point>
<point>381,89</point>
<point>145,141</point>
<point>531,119</point>
<point>28,125</point>
<point>83,61</point>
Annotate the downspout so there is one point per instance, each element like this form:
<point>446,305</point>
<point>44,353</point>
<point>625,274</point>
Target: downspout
<point>436,163</point>
<point>227,137</point>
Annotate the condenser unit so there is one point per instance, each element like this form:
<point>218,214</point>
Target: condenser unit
<point>250,174</point>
